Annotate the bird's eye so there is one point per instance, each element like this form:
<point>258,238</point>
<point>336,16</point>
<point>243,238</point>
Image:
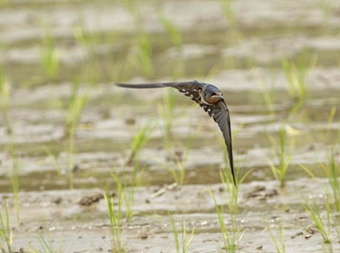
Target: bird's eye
<point>213,94</point>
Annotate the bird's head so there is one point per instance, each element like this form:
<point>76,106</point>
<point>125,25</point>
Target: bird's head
<point>212,95</point>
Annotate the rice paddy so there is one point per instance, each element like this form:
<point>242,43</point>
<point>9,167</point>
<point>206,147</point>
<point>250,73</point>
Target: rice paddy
<point>88,167</point>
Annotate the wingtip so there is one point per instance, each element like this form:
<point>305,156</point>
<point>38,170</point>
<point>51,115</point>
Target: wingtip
<point>140,85</point>
<point>234,180</point>
<point>126,85</point>
<point>233,176</point>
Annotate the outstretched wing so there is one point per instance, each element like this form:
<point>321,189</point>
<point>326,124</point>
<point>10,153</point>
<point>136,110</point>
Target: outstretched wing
<point>190,89</point>
<point>221,116</point>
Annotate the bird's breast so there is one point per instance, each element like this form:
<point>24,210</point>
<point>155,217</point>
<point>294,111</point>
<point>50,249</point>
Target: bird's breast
<point>213,99</point>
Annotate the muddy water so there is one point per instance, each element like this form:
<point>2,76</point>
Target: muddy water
<point>242,55</point>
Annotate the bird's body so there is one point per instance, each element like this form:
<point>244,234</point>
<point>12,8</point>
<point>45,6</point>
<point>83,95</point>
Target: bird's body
<point>207,96</point>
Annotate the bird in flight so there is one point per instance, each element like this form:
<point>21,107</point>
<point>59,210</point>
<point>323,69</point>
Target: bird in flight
<point>207,96</point>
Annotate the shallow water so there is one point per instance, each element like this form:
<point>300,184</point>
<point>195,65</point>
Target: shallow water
<point>242,55</point>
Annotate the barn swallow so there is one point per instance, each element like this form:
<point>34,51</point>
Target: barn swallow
<point>207,96</point>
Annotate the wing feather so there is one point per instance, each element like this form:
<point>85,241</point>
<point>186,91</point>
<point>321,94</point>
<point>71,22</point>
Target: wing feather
<point>190,89</point>
<point>221,116</point>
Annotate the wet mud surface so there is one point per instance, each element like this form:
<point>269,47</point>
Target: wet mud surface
<point>242,55</point>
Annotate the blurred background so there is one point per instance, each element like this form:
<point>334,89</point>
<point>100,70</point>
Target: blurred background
<point>65,127</point>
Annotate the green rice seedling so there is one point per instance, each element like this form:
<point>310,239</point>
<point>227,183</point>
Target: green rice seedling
<point>296,79</point>
<point>279,245</point>
<point>232,200</point>
<point>141,58</point>
<point>330,120</point>
<point>83,37</point>
<point>14,179</point>
<point>177,172</point>
<point>115,216</point>
<point>75,109</point>
<point>314,213</point>
<point>49,57</point>
<point>175,36</point>
<point>4,100</point>
<point>230,189</point>
<point>144,55</point>
<point>308,171</point>
<point>280,171</point>
<point>297,87</point>
<point>120,70</point>
<point>31,249</point>
<point>47,244</point>
<point>135,181</point>
<point>231,237</point>
<point>296,74</point>
<point>228,12</point>
<point>336,222</point>
<point>230,15</point>
<point>54,158</point>
<point>327,248</point>
<point>327,6</point>
<point>142,136</point>
<point>132,7</point>
<point>14,173</point>
<point>185,243</point>
<point>6,235</point>
<point>124,196</point>
<point>76,105</point>
<point>166,111</point>
<point>214,70</point>
<point>192,136</point>
<point>269,96</point>
<point>332,171</point>
<point>172,31</point>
